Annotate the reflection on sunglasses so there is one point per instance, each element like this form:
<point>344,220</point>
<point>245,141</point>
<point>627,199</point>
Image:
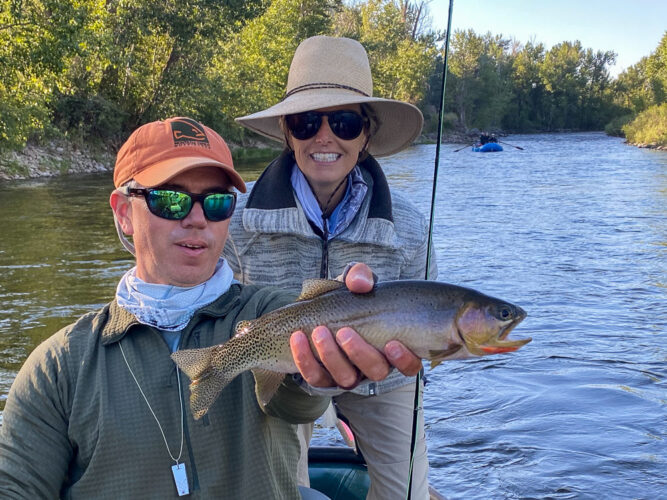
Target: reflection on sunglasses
<point>174,204</point>
<point>345,124</point>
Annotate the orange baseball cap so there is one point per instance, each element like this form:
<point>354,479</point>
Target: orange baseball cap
<point>158,151</point>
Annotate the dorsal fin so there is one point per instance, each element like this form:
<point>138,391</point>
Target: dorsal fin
<point>315,287</point>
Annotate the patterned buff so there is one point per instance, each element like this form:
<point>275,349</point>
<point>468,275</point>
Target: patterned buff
<point>348,207</point>
<point>169,307</point>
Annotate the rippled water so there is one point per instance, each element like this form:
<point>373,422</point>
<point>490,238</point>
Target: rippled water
<point>573,229</point>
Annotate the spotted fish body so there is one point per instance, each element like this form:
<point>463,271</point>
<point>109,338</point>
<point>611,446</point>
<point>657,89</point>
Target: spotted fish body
<point>436,321</point>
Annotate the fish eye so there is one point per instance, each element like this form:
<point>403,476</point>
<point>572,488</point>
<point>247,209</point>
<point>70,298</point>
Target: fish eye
<point>505,313</point>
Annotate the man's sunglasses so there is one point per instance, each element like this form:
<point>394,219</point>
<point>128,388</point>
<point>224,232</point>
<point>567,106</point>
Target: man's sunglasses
<point>173,204</point>
<point>347,125</point>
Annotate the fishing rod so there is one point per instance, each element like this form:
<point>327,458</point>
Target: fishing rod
<point>518,147</point>
<point>417,404</point>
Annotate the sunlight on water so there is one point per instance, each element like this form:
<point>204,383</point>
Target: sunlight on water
<point>573,229</point>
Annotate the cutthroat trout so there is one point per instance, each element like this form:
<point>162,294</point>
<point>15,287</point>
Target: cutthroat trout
<point>436,321</point>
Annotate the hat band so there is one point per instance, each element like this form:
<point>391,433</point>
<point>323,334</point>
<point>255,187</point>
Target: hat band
<point>311,86</point>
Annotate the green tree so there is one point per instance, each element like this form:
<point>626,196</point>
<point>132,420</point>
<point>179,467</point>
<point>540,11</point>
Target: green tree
<point>248,71</point>
<point>656,69</point>
<point>596,108</point>
<point>158,53</point>
<point>641,86</point>
<point>37,37</point>
<point>494,90</point>
<point>466,50</point>
<point>649,128</point>
<point>640,94</point>
<point>528,92</point>
<point>481,66</point>
<point>560,73</point>
<point>632,89</point>
<point>400,50</point>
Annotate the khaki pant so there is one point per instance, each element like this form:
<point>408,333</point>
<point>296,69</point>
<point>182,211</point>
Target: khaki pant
<point>382,426</point>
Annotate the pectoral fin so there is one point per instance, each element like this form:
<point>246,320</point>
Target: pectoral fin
<point>266,384</point>
<point>315,287</point>
<point>438,357</point>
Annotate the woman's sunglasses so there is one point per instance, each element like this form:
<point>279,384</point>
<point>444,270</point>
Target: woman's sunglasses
<point>173,204</point>
<point>347,125</point>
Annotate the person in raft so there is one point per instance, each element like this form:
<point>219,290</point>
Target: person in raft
<point>325,202</point>
<point>99,410</point>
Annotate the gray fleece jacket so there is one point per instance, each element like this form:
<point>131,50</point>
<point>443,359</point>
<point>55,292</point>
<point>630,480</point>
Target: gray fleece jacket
<point>271,241</point>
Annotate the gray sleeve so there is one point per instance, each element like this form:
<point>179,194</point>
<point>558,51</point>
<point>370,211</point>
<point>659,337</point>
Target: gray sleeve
<point>416,267</point>
<point>292,404</point>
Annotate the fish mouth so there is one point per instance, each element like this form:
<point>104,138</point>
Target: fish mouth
<point>502,343</point>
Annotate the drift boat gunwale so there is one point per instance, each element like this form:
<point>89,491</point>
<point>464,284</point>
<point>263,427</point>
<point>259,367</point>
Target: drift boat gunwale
<point>342,474</point>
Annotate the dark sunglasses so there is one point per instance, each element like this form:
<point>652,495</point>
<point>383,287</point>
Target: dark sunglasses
<point>173,204</point>
<point>347,125</point>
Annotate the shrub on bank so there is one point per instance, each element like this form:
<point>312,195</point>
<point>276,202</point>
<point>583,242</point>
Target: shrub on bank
<point>649,128</point>
<point>615,127</point>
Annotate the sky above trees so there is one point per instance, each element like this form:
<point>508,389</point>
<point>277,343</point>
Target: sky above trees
<point>631,29</point>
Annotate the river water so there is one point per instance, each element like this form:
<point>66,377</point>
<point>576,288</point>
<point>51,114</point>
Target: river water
<point>573,229</point>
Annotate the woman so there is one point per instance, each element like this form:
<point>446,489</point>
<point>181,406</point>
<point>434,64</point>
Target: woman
<point>325,202</point>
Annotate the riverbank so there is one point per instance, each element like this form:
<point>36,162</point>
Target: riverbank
<point>61,157</point>
<point>657,147</point>
<point>53,159</point>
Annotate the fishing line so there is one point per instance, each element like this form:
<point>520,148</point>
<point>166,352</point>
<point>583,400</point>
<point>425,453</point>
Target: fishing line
<point>417,405</point>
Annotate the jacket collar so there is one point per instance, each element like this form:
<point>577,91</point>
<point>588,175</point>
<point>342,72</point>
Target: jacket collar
<point>273,189</point>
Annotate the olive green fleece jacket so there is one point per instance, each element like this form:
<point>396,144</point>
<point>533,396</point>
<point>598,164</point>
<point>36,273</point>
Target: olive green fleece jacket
<point>76,426</point>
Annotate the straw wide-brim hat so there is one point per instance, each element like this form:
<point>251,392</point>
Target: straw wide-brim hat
<point>329,71</point>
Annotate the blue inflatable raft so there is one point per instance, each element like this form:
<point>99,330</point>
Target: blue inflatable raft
<point>489,147</point>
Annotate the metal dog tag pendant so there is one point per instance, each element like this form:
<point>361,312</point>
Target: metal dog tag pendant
<point>180,479</point>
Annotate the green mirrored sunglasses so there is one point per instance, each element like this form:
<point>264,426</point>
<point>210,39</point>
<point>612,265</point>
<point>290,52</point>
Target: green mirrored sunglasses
<point>174,204</point>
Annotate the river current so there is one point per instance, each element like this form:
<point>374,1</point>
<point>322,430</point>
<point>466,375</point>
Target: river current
<point>573,228</point>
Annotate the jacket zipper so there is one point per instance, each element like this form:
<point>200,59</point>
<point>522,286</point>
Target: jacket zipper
<point>324,267</point>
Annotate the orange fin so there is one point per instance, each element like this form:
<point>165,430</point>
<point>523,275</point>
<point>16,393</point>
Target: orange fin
<point>498,349</point>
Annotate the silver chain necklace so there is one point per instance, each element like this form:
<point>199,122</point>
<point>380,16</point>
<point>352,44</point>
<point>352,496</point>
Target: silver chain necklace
<point>177,470</point>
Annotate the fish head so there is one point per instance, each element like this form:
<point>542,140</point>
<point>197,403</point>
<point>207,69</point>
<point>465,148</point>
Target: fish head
<point>484,324</point>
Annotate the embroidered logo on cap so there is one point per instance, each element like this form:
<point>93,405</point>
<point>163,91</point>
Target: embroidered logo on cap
<point>187,132</point>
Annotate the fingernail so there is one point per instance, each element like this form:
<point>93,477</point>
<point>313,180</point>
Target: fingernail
<point>393,350</point>
<point>343,336</point>
<point>318,335</point>
<point>367,279</point>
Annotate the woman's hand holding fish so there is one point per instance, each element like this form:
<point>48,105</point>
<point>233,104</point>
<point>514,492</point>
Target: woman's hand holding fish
<point>346,358</point>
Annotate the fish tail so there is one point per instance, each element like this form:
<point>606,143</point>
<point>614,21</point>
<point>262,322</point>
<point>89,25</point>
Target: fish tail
<point>205,390</point>
<point>207,382</point>
<point>194,362</point>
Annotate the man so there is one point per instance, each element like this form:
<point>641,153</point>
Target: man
<point>99,409</point>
